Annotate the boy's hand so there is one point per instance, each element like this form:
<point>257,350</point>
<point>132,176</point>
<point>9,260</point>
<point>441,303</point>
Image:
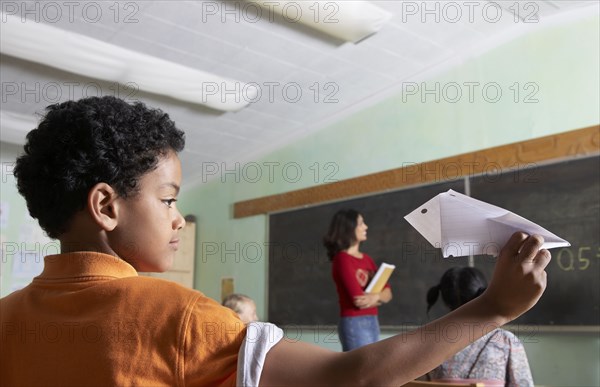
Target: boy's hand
<point>519,278</point>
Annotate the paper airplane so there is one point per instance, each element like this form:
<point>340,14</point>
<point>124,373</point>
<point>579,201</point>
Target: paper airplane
<point>461,225</point>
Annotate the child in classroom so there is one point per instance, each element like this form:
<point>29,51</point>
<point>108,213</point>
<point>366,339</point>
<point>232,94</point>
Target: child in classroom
<point>243,305</point>
<point>498,357</point>
<point>102,176</point>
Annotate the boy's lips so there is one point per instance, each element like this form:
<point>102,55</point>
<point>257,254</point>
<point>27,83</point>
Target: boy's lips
<point>174,243</point>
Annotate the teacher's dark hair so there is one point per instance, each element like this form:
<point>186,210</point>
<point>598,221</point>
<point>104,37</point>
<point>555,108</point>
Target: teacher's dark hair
<point>458,286</point>
<point>342,232</point>
<point>81,143</point>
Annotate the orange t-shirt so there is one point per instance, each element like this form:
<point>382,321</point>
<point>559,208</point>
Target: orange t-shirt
<point>89,319</point>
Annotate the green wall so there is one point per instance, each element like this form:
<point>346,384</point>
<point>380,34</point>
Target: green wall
<point>555,71</point>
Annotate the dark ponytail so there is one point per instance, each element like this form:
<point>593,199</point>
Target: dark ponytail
<point>432,296</point>
<point>458,286</point>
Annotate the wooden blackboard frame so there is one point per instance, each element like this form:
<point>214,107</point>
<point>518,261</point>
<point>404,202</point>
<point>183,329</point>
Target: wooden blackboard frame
<point>571,144</point>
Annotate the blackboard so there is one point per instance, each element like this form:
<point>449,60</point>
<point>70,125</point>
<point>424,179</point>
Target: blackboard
<point>563,197</point>
<point>301,288</point>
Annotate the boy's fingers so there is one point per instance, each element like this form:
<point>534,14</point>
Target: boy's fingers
<point>514,243</point>
<point>531,248</point>
<point>542,259</point>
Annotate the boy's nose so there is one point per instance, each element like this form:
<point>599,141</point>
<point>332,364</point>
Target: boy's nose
<point>179,221</point>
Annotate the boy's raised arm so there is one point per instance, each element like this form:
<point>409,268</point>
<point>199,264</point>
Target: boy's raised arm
<point>517,284</point>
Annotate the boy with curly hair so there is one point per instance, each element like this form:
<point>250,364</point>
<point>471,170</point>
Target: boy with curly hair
<point>102,176</point>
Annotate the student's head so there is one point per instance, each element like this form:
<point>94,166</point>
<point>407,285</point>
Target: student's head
<point>347,228</point>
<point>243,305</point>
<point>457,286</point>
<point>103,174</point>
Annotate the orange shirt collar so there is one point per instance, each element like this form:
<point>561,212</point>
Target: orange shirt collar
<point>85,263</point>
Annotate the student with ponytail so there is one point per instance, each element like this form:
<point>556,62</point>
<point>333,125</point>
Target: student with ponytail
<point>498,358</point>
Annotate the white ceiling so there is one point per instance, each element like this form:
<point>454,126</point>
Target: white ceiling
<point>336,78</point>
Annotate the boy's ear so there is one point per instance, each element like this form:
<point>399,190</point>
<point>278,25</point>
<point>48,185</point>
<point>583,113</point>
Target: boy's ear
<point>102,205</point>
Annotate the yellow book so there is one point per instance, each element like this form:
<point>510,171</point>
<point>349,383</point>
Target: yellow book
<point>380,278</point>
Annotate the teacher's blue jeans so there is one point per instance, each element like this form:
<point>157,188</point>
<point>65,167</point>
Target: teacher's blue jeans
<point>358,331</point>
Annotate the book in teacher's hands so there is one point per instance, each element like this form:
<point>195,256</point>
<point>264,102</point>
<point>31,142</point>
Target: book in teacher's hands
<point>380,278</point>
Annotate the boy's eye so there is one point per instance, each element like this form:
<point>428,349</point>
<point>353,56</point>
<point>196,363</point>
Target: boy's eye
<point>168,202</point>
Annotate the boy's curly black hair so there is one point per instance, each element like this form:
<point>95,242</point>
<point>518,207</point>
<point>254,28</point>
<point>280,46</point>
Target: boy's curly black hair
<point>81,143</point>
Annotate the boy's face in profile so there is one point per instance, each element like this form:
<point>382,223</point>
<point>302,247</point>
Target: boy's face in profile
<point>146,234</point>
